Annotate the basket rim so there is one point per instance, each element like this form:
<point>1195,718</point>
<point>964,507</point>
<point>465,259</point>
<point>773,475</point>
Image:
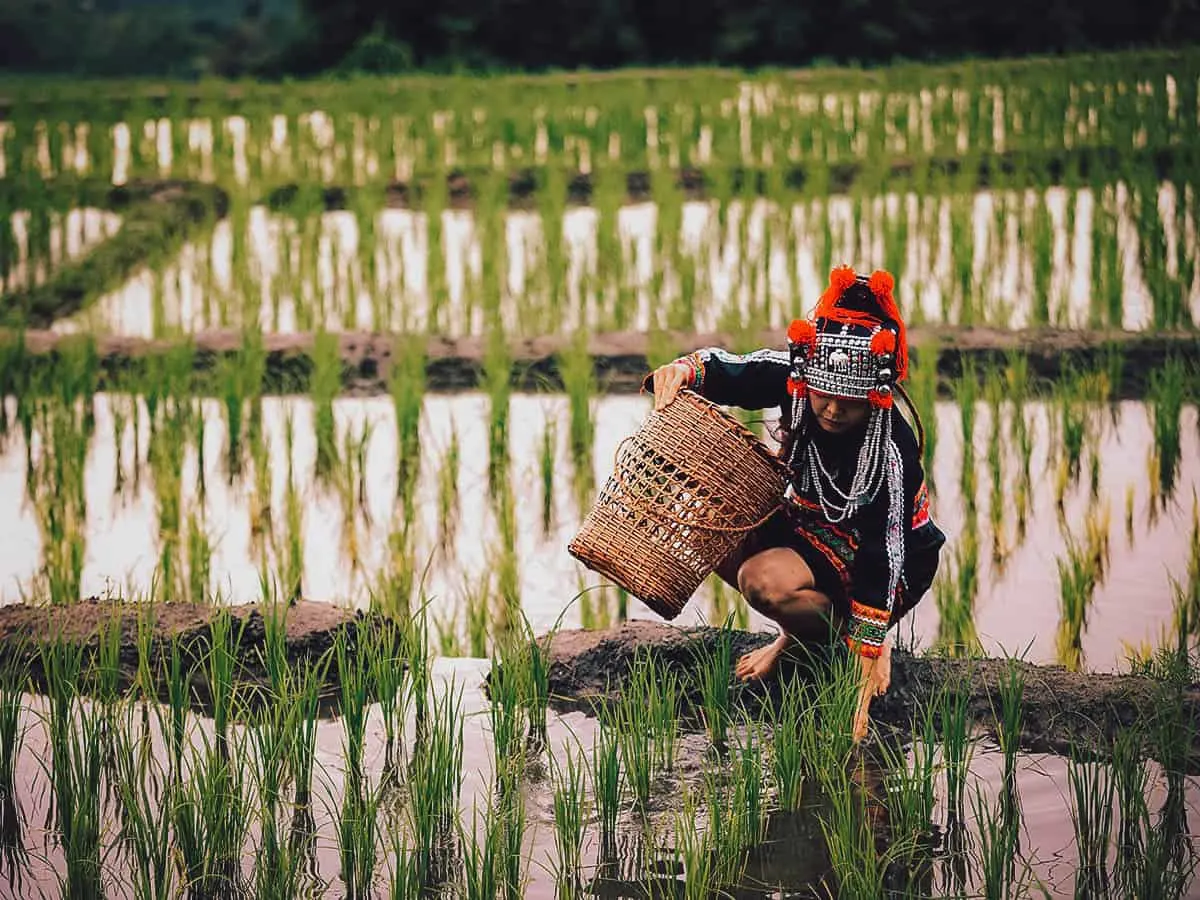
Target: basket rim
<point>752,440</point>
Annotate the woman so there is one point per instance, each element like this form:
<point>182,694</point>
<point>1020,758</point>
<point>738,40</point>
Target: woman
<point>854,548</point>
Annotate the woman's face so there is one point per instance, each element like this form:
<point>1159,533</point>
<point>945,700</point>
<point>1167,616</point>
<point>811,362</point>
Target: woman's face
<point>838,414</point>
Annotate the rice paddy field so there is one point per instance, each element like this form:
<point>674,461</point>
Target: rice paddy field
<point>140,221</point>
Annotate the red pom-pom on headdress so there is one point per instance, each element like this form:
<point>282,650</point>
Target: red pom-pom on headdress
<point>840,278</point>
<point>802,332</point>
<point>880,400</point>
<point>883,341</point>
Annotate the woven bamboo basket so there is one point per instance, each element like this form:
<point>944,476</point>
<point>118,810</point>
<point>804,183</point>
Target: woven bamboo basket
<point>686,489</point>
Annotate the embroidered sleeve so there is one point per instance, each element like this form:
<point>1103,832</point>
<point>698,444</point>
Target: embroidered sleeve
<point>756,380</point>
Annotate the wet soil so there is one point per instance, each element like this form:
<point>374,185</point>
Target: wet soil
<point>621,359</point>
<point>311,629</point>
<point>1062,710</point>
<point>588,668</point>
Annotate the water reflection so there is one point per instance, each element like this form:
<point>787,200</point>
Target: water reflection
<point>343,542</point>
<point>750,264</point>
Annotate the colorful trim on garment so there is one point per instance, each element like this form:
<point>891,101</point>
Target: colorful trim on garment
<point>866,629</point>
<point>835,544</point>
<point>920,507</point>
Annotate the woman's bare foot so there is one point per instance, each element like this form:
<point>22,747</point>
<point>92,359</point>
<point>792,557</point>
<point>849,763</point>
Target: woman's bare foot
<point>881,678</point>
<point>760,663</point>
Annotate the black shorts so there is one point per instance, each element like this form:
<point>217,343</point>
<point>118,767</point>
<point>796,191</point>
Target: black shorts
<point>780,531</point>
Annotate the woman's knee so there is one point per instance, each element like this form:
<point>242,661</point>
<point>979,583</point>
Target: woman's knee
<point>773,579</point>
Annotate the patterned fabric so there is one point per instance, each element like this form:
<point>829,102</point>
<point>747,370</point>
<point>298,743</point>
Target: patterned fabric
<point>838,545</point>
<point>866,630</point>
<point>921,507</point>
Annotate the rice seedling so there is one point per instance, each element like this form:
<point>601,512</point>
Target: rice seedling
<point>435,781</point>
<point>746,788</point>
<point>325,384</point>
<point>1092,787</point>
<point>14,679</point>
<point>384,648</point>
<point>546,468</point>
<point>358,839</point>
<point>579,380</point>
<point>508,718</point>
<point>954,593</point>
<point>958,746</point>
<point>506,563</point>
<point>658,689</point>
<point>354,679</point>
<point>606,780</point>
<point>570,819</point>
<point>965,391</point>
<point>448,492</point>
<point>210,819</point>
<point>628,721</point>
<point>859,868</point>
<point>307,681</point>
<point>826,741</point>
<point>497,376</point>
<point>1166,401</point>
<point>998,849</point>
<point>693,851</point>
<point>278,867</point>
<point>512,858</point>
<point>1009,720</point>
<point>407,385</point>
<point>1130,779</point>
<point>221,664</point>
<point>910,779</point>
<point>787,757</point>
<point>77,760</point>
<point>481,851</point>
<point>404,879</point>
<point>713,671</point>
<point>1078,576</point>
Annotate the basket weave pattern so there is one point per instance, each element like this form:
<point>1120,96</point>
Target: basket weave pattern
<point>686,489</point>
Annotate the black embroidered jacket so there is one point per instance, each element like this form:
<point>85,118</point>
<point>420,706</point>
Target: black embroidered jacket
<point>855,548</point>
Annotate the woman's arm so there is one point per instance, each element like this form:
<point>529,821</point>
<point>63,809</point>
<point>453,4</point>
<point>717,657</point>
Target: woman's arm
<point>756,380</point>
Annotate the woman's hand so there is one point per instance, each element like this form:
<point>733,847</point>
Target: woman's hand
<point>669,380</point>
<point>874,676</point>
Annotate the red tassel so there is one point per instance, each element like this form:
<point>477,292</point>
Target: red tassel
<point>883,341</point>
<point>880,401</point>
<point>882,285</point>
<point>795,386</point>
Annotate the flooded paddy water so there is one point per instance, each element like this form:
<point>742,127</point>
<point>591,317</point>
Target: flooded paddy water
<point>458,538</point>
<point>1012,199</point>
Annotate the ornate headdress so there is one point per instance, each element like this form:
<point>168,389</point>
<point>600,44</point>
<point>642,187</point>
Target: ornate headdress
<point>854,346</point>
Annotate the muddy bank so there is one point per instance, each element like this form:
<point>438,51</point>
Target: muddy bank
<point>524,186</point>
<point>621,359</point>
<point>26,631</point>
<point>1061,709</point>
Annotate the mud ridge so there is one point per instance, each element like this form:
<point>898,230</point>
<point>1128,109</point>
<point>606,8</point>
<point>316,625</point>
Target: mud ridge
<point>621,360</point>
<point>1062,710</point>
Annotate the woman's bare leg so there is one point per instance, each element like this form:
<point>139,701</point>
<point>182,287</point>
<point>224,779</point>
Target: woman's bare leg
<point>780,585</point>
